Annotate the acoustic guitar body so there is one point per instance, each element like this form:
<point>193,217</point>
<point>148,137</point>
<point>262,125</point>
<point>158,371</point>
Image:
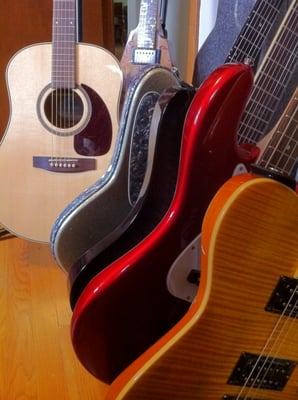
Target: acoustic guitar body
<point>49,156</point>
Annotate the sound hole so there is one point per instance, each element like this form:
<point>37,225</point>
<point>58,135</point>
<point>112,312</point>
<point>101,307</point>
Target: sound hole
<point>63,108</point>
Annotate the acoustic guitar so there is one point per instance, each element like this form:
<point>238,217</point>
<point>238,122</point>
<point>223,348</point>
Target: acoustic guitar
<point>62,128</point>
<point>100,214</point>
<point>120,312</point>
<point>239,338</point>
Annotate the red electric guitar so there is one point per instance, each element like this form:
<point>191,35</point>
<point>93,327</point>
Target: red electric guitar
<point>239,338</point>
<point>62,129</point>
<point>249,42</point>
<point>120,312</point>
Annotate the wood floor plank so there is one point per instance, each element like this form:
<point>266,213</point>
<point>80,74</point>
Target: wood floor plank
<point>36,356</point>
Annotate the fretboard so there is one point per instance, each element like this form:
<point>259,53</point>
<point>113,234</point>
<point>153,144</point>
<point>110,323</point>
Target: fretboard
<point>147,26</point>
<point>64,40</point>
<point>271,79</point>
<point>251,38</point>
<point>282,149</point>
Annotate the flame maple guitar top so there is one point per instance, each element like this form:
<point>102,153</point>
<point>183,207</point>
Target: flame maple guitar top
<point>249,241</point>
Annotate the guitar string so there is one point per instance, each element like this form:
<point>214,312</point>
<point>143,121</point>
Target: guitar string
<point>276,76</point>
<point>55,88</point>
<point>58,87</point>
<point>64,57</point>
<point>270,93</point>
<point>288,137</point>
<point>73,63</point>
<point>249,123</point>
<point>279,328</point>
<point>258,10</point>
<point>290,320</point>
<point>71,68</point>
<point>257,363</point>
<point>253,106</point>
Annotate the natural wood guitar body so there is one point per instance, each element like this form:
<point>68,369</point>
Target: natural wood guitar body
<point>249,240</point>
<point>31,198</point>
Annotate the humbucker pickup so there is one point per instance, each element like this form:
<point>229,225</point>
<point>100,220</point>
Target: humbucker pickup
<point>263,372</point>
<point>284,299</point>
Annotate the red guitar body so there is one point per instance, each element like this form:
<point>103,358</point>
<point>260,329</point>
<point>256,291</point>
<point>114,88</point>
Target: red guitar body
<point>126,307</point>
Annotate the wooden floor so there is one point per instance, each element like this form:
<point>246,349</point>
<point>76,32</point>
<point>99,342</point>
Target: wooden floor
<point>37,361</point>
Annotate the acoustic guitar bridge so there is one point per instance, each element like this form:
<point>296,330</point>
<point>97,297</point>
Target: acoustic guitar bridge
<point>60,164</point>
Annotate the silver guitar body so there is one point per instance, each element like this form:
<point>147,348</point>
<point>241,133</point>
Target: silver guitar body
<point>100,214</point>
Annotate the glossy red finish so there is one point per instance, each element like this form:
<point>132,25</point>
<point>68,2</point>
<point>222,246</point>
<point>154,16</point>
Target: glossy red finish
<point>127,306</point>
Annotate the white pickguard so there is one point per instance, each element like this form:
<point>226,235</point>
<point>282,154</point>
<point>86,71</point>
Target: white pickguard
<point>177,280</point>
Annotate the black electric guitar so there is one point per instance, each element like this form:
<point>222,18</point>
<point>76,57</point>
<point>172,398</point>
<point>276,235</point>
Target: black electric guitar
<point>62,128</point>
<point>99,215</point>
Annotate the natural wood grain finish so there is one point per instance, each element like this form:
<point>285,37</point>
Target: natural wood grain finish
<point>249,239</point>
<point>32,198</point>
<point>36,357</point>
<point>29,21</point>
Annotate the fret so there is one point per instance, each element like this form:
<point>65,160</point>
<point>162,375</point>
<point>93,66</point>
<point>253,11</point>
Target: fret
<point>63,44</point>
<point>147,24</point>
<point>251,37</point>
<point>146,52</point>
<point>271,79</point>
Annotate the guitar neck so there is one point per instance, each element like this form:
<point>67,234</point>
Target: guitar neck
<point>63,41</point>
<point>146,51</point>
<point>281,147</point>
<point>251,38</point>
<point>146,44</point>
<point>271,79</point>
